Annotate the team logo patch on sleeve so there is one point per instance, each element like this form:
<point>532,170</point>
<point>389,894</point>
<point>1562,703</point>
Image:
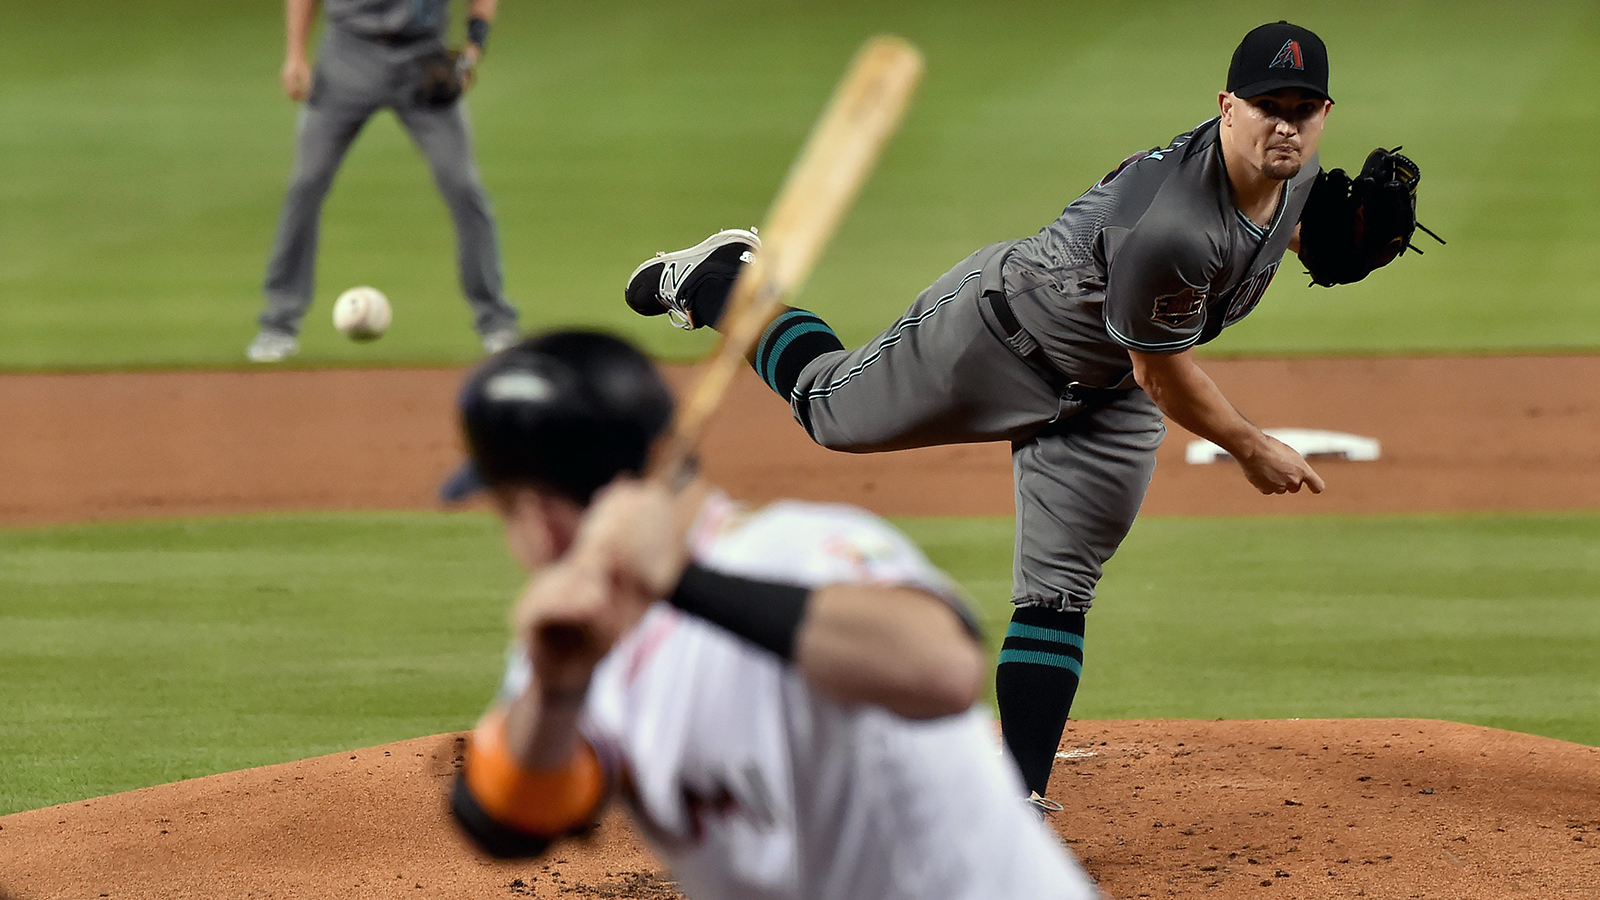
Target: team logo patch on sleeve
<point>1177,309</point>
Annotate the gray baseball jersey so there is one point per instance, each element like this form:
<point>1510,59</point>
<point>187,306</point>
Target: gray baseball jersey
<point>367,61</point>
<point>1021,341</point>
<point>388,18</point>
<point>1155,258</point>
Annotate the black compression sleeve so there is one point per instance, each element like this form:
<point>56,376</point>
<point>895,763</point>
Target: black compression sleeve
<point>765,613</point>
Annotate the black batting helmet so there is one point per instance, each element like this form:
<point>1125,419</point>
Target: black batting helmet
<point>566,411</point>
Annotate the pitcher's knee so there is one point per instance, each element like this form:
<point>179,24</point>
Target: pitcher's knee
<point>821,437</point>
<point>835,442</point>
<point>833,438</point>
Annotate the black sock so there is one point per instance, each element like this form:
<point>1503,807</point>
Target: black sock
<point>708,294</point>
<point>708,286</point>
<point>792,341</point>
<point>1034,684</point>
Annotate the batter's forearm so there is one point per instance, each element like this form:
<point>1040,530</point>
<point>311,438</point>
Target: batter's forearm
<point>542,728</point>
<point>483,9</point>
<point>898,648</point>
<point>895,647</point>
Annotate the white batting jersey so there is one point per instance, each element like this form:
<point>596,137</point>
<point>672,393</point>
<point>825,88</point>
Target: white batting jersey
<point>751,785</point>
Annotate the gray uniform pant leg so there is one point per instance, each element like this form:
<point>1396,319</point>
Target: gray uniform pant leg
<point>323,135</point>
<point>1079,484</point>
<point>443,136</point>
<point>938,375</point>
<point>941,375</point>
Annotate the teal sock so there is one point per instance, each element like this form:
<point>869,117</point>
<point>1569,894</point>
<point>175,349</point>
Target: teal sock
<point>1034,684</point>
<point>791,342</point>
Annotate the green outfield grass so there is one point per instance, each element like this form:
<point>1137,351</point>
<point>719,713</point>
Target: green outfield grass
<point>136,654</point>
<point>147,145</point>
<point>1491,620</point>
<point>140,654</point>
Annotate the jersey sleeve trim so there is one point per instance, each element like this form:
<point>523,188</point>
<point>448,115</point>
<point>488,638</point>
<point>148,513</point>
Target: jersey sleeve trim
<point>1149,347</point>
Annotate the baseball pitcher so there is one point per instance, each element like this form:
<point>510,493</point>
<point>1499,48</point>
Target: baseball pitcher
<point>1071,344</point>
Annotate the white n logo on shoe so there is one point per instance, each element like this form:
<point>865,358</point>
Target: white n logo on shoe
<point>672,278</point>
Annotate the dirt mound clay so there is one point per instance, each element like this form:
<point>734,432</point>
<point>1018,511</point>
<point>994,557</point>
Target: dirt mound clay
<point>1387,808</point>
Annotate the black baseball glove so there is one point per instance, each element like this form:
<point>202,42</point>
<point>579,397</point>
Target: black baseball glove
<point>444,76</point>
<point>1350,227</point>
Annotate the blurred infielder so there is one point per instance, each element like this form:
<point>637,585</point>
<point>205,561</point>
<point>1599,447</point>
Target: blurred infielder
<point>376,54</point>
<point>795,720</point>
<point>1072,343</point>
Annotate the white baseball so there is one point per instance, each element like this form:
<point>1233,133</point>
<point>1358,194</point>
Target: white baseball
<point>362,313</point>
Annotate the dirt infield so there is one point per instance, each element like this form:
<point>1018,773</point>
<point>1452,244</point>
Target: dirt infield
<point>1298,809</point>
<point>1493,433</point>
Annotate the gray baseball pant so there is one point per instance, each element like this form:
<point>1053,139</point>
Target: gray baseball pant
<point>942,374</point>
<point>354,78</point>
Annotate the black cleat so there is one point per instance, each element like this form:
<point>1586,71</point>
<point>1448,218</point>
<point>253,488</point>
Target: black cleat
<point>663,284</point>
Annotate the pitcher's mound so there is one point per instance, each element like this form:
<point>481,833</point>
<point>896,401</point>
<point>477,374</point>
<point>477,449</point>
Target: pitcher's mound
<point>1375,808</point>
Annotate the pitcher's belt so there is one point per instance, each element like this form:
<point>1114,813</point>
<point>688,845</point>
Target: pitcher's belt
<point>1027,347</point>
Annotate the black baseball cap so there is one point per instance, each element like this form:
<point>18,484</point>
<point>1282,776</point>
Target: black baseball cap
<point>1277,56</point>
<point>565,411</point>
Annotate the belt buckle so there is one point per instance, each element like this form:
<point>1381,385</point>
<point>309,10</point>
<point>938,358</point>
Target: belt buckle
<point>1079,392</point>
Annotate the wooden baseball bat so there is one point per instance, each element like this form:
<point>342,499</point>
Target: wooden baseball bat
<point>823,181</point>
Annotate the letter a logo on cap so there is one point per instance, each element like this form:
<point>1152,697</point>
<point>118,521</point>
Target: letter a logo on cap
<point>1288,56</point>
